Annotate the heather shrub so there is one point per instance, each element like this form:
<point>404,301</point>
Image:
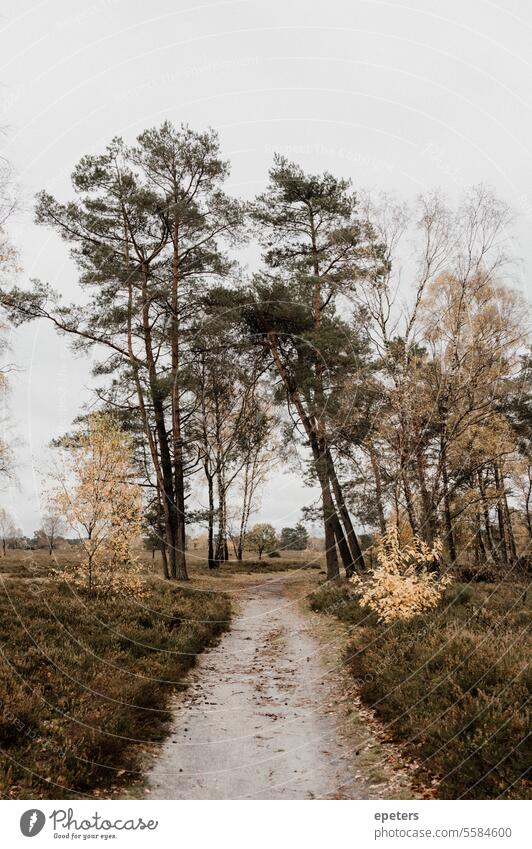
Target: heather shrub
<point>80,682</point>
<point>451,684</point>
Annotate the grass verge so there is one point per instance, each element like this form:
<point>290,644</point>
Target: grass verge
<point>452,685</point>
<point>259,567</point>
<point>82,681</point>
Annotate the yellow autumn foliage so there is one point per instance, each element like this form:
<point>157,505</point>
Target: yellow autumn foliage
<point>401,586</point>
<point>97,494</point>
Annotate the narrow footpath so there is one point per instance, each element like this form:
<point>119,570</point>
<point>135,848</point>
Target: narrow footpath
<point>256,721</point>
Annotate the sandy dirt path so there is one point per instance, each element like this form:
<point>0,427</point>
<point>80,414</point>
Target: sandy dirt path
<point>256,721</point>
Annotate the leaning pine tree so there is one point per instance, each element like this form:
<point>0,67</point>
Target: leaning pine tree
<point>316,253</point>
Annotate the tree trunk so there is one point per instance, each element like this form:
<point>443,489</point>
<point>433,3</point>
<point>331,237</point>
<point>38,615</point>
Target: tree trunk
<point>404,455</point>
<point>330,521</point>
<point>448,521</point>
<point>210,528</point>
<point>160,453</point>
<point>501,518</point>
<point>221,538</point>
<point>165,560</point>
<point>356,562</point>
<point>396,487</point>
<point>409,502</point>
<point>487,523</point>
<point>247,498</point>
<point>181,567</point>
<point>510,537</point>
<point>329,512</point>
<point>449,532</point>
<point>320,448</point>
<point>509,528</point>
<point>343,548</point>
<point>163,542</point>
<point>502,535</point>
<point>429,524</point>
<point>177,443</point>
<point>480,542</point>
<point>378,490</point>
<point>89,563</point>
<point>177,564</point>
<point>527,508</point>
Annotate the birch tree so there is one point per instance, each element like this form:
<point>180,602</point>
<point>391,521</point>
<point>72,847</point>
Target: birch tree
<point>97,493</point>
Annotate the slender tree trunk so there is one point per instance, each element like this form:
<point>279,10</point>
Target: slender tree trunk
<point>429,524</point>
<point>177,442</point>
<point>396,487</point>
<point>330,515</point>
<point>89,562</point>
<point>378,490</point>
<point>486,513</point>
<point>221,538</point>
<point>220,485</point>
<point>527,508</point>
<point>330,520</point>
<point>480,548</point>
<point>409,501</point>
<point>165,561</point>
<point>501,518</point>
<point>160,459</point>
<point>329,512</point>
<point>247,497</point>
<point>404,454</point>
<point>502,535</point>
<point>449,531</point>
<point>210,528</point>
<point>181,567</point>
<point>162,542</point>
<point>234,543</point>
<point>509,528</point>
<point>448,522</point>
<point>356,557</point>
<point>343,548</point>
<point>510,536</point>
<point>177,565</point>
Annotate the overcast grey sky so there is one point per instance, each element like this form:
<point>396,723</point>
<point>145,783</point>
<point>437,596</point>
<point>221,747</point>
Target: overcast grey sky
<point>402,95</point>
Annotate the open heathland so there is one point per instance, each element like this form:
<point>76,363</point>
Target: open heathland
<point>453,684</point>
<point>84,679</point>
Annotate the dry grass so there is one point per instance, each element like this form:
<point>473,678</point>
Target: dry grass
<point>83,681</point>
<point>453,684</point>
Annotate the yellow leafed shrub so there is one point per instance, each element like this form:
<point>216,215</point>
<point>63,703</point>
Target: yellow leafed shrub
<point>402,585</point>
<point>100,499</point>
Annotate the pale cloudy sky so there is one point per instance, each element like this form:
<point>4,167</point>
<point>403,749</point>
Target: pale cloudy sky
<point>402,95</point>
